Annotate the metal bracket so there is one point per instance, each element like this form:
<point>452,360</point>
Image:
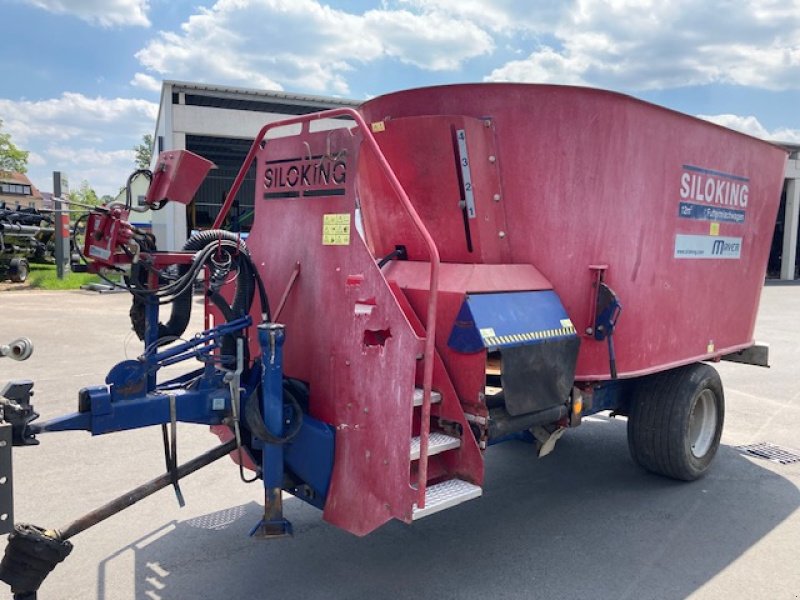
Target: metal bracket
<point>606,309</point>
<point>757,355</point>
<point>6,480</point>
<point>15,399</point>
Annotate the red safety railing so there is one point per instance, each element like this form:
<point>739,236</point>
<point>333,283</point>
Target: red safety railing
<point>433,252</point>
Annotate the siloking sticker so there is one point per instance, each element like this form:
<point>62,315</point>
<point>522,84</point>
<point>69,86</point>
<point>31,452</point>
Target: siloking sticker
<point>712,195</point>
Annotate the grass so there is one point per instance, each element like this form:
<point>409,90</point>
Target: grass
<point>44,277</point>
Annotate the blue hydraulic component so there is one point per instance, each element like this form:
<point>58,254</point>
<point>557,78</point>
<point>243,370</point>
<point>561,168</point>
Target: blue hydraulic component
<point>150,335</point>
<point>271,337</point>
<point>610,395</point>
<point>132,399</point>
<point>310,456</point>
<point>497,321</point>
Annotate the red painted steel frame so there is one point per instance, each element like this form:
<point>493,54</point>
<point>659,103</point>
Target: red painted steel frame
<point>433,254</point>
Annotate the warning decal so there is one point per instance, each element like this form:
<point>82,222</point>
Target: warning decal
<point>336,229</point>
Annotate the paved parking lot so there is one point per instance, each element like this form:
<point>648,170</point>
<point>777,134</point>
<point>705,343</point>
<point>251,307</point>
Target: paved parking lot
<point>582,523</point>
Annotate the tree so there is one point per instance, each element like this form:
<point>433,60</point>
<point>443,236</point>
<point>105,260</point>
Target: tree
<point>144,152</point>
<point>12,159</point>
<point>84,195</point>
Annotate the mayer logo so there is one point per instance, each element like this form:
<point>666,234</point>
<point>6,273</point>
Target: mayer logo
<point>305,176</point>
<point>721,248</point>
<point>707,246</point>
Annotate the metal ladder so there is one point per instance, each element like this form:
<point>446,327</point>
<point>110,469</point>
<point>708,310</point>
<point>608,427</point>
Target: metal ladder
<point>444,494</point>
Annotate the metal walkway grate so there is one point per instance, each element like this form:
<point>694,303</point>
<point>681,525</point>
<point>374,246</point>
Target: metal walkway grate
<point>772,452</point>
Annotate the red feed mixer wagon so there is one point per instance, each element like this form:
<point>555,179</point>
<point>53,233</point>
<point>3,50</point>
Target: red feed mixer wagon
<point>442,270</point>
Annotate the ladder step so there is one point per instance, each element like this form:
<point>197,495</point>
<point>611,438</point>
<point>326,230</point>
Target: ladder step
<point>446,495</point>
<point>435,396</point>
<point>437,442</point>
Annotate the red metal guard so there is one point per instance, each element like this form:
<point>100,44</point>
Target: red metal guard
<point>433,252</point>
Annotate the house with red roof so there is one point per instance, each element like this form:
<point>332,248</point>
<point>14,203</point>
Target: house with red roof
<point>17,191</point>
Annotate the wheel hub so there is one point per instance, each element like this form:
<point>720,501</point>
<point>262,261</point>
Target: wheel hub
<point>703,423</point>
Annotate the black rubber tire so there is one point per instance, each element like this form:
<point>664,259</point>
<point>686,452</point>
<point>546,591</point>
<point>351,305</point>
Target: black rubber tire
<point>661,411</point>
<point>18,271</point>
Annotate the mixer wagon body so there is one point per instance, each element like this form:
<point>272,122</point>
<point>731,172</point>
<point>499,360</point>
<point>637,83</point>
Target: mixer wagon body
<point>681,211</point>
<point>451,268</point>
<point>545,211</point>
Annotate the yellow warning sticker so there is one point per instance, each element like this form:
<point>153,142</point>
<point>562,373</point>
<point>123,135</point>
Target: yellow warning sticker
<point>487,332</point>
<point>378,126</point>
<point>336,229</point>
<point>710,348</point>
<point>714,229</point>
<point>566,323</point>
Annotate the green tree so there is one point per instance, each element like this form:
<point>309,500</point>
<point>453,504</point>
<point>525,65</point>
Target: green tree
<point>144,152</point>
<point>12,159</point>
<point>85,195</point>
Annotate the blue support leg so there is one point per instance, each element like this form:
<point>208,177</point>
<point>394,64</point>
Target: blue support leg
<point>271,337</point>
<point>151,336</point>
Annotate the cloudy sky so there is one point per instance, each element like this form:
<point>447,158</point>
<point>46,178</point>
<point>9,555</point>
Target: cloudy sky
<point>80,79</point>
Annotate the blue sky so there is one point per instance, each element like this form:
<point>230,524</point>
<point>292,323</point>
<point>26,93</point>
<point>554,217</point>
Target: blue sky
<point>80,79</point>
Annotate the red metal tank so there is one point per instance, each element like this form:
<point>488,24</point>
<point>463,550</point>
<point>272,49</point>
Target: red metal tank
<point>680,211</point>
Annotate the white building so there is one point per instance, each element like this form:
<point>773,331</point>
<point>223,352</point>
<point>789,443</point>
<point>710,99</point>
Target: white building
<point>786,230</point>
<point>218,123</point>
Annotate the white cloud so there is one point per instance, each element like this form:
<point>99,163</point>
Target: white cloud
<point>751,126</point>
<point>35,159</point>
<point>544,66</point>
<point>88,138</point>
<point>506,16</point>
<point>146,82</point>
<point>649,44</point>
<point>106,13</point>
<point>304,44</point>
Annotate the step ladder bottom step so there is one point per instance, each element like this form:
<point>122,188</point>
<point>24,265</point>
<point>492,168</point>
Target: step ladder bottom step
<point>446,494</point>
<point>437,442</point>
<point>436,397</point>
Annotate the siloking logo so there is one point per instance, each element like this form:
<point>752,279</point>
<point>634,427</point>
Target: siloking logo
<point>305,176</point>
<point>707,186</point>
<point>709,195</point>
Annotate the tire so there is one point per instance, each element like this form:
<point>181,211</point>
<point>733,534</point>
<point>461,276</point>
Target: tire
<point>18,271</point>
<point>675,421</point>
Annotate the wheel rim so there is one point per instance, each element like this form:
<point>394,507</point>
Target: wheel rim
<point>703,423</point>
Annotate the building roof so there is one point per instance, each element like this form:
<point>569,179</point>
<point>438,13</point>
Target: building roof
<point>244,93</point>
<point>792,149</point>
<point>249,99</point>
<point>19,179</point>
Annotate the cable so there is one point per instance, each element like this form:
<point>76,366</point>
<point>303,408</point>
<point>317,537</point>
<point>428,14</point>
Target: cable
<point>128,195</point>
<point>255,420</point>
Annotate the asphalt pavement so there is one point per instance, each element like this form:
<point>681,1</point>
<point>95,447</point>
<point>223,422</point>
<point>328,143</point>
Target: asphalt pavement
<point>582,523</point>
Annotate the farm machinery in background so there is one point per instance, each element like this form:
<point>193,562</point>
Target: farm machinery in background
<point>444,270</point>
<point>26,235</point>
